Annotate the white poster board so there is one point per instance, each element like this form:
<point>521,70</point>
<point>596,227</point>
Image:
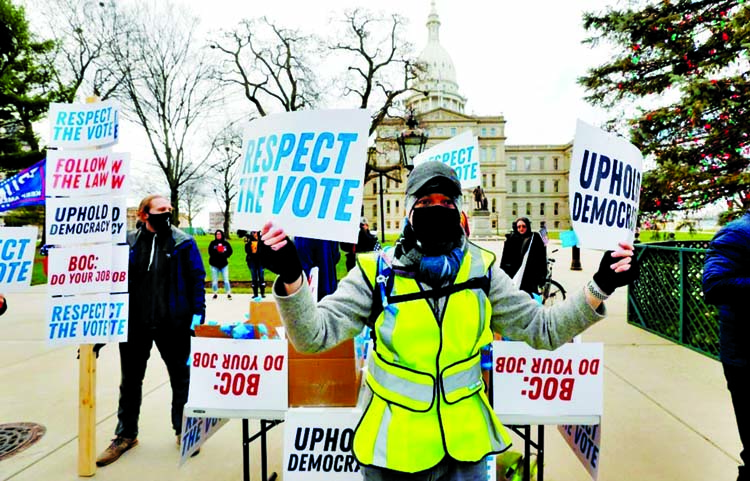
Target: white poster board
<point>83,125</point>
<point>461,153</point>
<point>318,444</point>
<point>547,387</point>
<point>87,269</point>
<point>75,173</point>
<point>305,170</point>
<point>605,187</point>
<point>75,220</point>
<point>195,433</point>
<point>87,319</point>
<point>238,378</point>
<point>585,441</point>
<point>17,248</point>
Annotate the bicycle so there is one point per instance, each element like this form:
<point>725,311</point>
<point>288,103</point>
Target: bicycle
<point>552,291</point>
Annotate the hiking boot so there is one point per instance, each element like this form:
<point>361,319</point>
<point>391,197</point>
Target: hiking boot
<point>195,453</point>
<point>115,450</point>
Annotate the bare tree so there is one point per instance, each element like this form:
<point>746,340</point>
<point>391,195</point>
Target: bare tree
<point>166,86</point>
<point>271,65</point>
<point>193,195</point>
<point>227,146</point>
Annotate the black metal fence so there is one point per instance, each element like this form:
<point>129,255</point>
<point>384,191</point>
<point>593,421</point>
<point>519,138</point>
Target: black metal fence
<point>667,298</point>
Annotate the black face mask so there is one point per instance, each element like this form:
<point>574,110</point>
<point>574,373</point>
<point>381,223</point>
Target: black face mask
<point>436,228</point>
<point>160,222</point>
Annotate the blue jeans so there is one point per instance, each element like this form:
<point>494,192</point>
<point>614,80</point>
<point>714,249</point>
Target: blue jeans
<point>224,275</point>
<point>446,470</point>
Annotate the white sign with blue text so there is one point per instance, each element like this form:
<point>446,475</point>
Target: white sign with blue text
<point>305,170</point>
<point>605,188</point>
<point>17,248</point>
<point>83,125</point>
<point>461,153</point>
<point>87,319</point>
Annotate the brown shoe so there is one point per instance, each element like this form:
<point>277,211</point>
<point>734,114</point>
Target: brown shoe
<point>115,450</point>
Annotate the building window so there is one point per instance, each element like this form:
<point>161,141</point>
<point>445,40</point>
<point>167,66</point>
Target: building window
<point>494,224</point>
<point>557,224</point>
<point>513,163</point>
<point>493,131</point>
<point>556,163</point>
<point>388,207</point>
<point>493,153</point>
<point>541,186</point>
<point>493,180</point>
<point>541,209</point>
<point>541,163</point>
<point>388,225</point>
<point>557,186</point>
<point>527,163</point>
<point>387,184</point>
<point>528,186</point>
<point>374,188</point>
<point>513,186</point>
<point>494,205</point>
<point>453,131</point>
<point>557,208</point>
<point>514,211</point>
<point>483,153</point>
<point>528,208</point>
<point>484,131</point>
<point>440,132</point>
<point>398,225</point>
<point>374,211</point>
<point>484,180</point>
<point>397,210</point>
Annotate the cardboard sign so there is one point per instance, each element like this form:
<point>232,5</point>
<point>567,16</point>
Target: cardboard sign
<point>86,172</point>
<point>563,383</point>
<point>17,248</point>
<point>83,125</point>
<point>585,441</point>
<point>234,376</point>
<point>88,269</point>
<point>605,188</point>
<point>460,153</point>
<point>87,319</point>
<point>70,221</point>
<point>318,444</point>
<point>306,170</point>
<point>195,433</point>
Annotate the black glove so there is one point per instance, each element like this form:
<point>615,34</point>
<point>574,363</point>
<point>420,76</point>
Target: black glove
<point>97,348</point>
<point>608,280</point>
<point>284,262</point>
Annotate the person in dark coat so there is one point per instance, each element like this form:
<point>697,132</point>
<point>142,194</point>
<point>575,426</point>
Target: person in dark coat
<point>254,262</point>
<point>324,255</point>
<point>514,250</point>
<point>219,252</point>
<point>366,242</point>
<point>726,283</point>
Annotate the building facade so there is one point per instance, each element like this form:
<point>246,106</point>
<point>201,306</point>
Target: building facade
<point>518,180</point>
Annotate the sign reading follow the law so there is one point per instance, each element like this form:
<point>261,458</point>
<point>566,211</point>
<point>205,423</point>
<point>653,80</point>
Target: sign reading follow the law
<point>83,125</point>
<point>229,377</point>
<point>17,247</point>
<point>306,170</point>
<point>460,153</point>
<point>605,188</point>
<point>561,385</point>
<point>75,173</point>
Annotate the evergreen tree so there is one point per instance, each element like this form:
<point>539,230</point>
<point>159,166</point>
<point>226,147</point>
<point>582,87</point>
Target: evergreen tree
<point>685,67</point>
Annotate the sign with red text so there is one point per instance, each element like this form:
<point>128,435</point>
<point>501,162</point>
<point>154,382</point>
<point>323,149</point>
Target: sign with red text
<point>86,172</point>
<point>566,382</point>
<point>195,432</point>
<point>87,269</point>
<point>87,319</point>
<point>318,444</point>
<point>83,125</point>
<point>305,170</point>
<point>17,248</point>
<point>585,441</point>
<point>238,375</point>
<point>605,188</point>
<point>78,220</point>
<point>461,153</point>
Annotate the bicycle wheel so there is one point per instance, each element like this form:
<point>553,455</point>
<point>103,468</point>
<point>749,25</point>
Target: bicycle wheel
<point>552,292</point>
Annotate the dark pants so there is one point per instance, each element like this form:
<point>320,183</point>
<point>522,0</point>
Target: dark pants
<point>256,272</point>
<point>174,347</point>
<point>737,380</point>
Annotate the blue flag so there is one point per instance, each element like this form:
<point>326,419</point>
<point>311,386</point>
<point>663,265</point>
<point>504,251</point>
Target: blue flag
<point>24,188</point>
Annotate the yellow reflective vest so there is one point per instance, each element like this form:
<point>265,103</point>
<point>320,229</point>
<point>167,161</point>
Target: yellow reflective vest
<point>425,373</point>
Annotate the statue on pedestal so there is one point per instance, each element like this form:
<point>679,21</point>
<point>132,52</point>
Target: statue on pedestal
<point>480,201</point>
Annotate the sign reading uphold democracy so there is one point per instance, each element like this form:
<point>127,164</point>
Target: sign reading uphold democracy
<point>305,169</point>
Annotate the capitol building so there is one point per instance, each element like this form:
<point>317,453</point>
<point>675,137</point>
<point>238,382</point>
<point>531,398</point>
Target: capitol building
<point>518,180</point>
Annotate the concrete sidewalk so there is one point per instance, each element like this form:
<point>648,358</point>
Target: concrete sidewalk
<point>667,414</point>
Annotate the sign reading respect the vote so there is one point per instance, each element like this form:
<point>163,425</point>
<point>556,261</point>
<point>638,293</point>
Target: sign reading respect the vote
<point>70,221</point>
<point>87,269</point>
<point>73,173</point>
<point>565,382</point>
<point>17,247</point>
<point>605,188</point>
<point>195,432</point>
<point>306,170</point>
<point>238,374</point>
<point>460,153</point>
<point>318,445</point>
<point>83,125</point>
<point>88,319</point>
<point>585,441</point>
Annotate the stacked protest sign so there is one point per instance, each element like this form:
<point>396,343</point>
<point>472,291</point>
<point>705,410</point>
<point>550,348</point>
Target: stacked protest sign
<point>85,224</point>
<point>461,153</point>
<point>17,247</point>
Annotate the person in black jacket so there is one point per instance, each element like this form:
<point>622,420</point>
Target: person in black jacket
<point>518,244</point>
<point>254,261</point>
<point>219,252</point>
<point>366,242</point>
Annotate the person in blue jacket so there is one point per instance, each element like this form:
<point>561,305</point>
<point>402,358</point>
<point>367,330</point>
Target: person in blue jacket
<point>726,283</point>
<point>167,299</point>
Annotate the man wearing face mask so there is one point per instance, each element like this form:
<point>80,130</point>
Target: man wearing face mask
<point>167,299</point>
<point>432,302</point>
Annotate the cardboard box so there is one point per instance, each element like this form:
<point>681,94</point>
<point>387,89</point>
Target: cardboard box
<point>330,378</point>
<point>204,330</point>
<point>265,312</point>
